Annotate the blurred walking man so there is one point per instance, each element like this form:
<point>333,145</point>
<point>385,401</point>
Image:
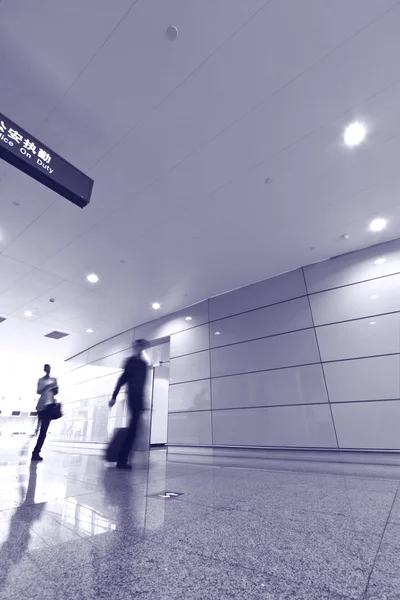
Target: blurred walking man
<point>134,376</point>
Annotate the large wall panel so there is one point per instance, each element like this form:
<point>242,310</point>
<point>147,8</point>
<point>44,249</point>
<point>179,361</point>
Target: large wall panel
<point>373,425</point>
<point>285,350</point>
<point>194,395</point>
<point>366,299</point>
<point>190,428</point>
<point>376,378</point>
<point>355,339</point>
<point>190,367</point>
<point>294,385</point>
<point>280,288</point>
<point>286,426</point>
<point>377,261</point>
<point>189,341</point>
<point>279,318</point>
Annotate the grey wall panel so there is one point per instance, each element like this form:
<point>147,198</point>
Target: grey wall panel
<point>76,362</point>
<point>366,299</point>
<point>166,326</point>
<point>279,318</point>
<point>190,428</point>
<point>283,287</point>
<point>354,267</point>
<point>363,379</point>
<point>194,395</point>
<point>114,361</point>
<point>285,350</point>
<point>356,339</point>
<point>295,385</point>
<point>190,367</point>
<point>191,340</point>
<point>372,425</point>
<point>116,344</point>
<point>294,426</point>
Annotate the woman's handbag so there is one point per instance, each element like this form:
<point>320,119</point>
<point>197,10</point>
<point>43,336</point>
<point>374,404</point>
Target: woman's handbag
<point>56,412</point>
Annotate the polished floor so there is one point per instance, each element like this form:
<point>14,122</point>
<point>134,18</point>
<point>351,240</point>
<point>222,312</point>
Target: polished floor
<point>279,529</point>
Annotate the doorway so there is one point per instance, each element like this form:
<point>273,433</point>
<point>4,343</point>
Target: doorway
<point>157,356</point>
<point>159,405</point>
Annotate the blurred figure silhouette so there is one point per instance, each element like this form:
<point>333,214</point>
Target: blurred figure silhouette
<point>19,534</point>
<point>134,375</point>
<point>47,388</point>
<point>128,504</point>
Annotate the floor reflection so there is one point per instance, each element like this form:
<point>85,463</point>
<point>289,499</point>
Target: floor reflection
<point>20,527</point>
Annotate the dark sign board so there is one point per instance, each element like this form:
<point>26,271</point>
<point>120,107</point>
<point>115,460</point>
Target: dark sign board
<point>29,155</point>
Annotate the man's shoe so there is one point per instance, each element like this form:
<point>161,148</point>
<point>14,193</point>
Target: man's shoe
<point>125,466</point>
<point>36,458</point>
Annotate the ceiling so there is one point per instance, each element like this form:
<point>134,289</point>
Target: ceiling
<point>179,137</point>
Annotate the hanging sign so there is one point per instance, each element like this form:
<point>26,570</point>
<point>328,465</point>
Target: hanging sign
<point>26,153</point>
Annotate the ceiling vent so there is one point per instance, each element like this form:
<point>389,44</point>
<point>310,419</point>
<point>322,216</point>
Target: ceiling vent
<point>56,335</point>
<point>2,319</point>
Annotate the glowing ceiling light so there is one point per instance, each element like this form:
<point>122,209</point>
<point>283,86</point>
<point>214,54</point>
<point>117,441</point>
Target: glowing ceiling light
<point>28,313</point>
<point>354,134</point>
<point>380,261</point>
<point>156,305</point>
<point>92,278</point>
<point>377,224</point>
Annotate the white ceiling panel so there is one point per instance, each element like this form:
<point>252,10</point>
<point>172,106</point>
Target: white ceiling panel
<point>11,271</point>
<point>50,44</point>
<point>66,293</point>
<point>22,201</point>
<point>26,290</point>
<point>62,222</point>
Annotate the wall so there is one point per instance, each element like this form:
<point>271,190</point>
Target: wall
<point>86,388</point>
<point>308,359</point>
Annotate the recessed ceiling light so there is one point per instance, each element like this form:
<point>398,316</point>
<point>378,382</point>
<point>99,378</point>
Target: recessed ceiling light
<point>377,224</point>
<point>380,261</point>
<point>89,330</point>
<point>188,318</point>
<point>345,236</point>
<point>156,305</point>
<point>28,313</point>
<point>374,297</point>
<point>217,333</point>
<point>354,134</point>
<point>268,180</point>
<point>92,278</point>
<point>372,322</point>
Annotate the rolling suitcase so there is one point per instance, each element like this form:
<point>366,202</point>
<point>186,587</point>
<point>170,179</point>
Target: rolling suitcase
<point>115,444</point>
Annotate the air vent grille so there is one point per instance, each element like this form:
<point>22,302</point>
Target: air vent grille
<point>56,335</point>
